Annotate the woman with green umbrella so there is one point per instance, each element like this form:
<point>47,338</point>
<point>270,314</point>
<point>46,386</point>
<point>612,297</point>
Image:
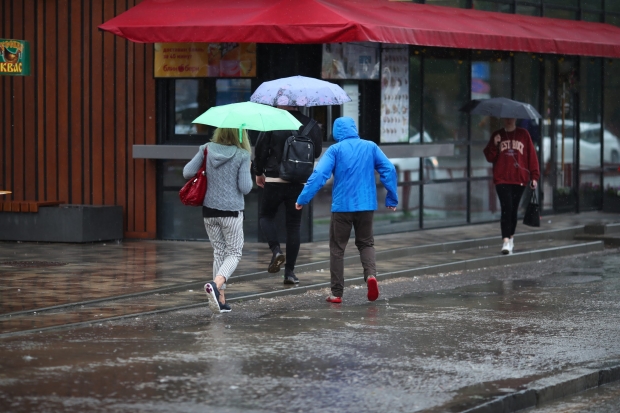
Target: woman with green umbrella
<point>228,180</point>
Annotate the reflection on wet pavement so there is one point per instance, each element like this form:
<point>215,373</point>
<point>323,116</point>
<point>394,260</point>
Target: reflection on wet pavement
<point>434,351</point>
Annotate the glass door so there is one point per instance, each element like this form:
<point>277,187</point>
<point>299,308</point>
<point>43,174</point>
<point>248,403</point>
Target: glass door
<point>560,131</point>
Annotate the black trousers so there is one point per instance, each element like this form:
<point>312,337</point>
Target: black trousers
<point>275,194</point>
<point>509,199</point>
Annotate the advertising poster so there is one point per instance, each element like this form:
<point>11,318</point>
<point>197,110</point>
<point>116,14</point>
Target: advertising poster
<point>14,57</point>
<point>394,94</point>
<point>205,60</point>
<point>350,61</point>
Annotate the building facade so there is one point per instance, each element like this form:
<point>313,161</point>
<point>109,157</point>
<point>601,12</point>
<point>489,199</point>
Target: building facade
<point>75,129</point>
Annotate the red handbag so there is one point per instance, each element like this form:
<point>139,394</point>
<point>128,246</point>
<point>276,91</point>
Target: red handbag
<point>193,192</point>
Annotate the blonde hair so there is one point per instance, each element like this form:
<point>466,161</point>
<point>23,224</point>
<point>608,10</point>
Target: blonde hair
<point>230,136</point>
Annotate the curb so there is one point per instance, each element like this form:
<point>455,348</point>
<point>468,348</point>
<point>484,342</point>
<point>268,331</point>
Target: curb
<point>549,389</point>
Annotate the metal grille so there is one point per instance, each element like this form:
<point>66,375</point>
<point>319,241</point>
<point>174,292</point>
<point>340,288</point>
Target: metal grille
<point>24,264</point>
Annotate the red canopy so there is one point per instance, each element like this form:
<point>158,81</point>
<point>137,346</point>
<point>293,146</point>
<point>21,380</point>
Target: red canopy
<point>332,21</point>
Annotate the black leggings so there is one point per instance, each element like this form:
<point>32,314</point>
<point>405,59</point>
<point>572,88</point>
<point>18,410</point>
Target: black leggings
<point>509,199</point>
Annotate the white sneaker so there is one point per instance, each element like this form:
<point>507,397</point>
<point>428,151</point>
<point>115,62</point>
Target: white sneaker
<point>506,248</point>
<point>512,244</point>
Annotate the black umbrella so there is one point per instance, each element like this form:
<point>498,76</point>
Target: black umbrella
<point>501,108</point>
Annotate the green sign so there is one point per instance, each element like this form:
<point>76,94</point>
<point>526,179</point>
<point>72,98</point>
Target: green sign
<point>14,57</point>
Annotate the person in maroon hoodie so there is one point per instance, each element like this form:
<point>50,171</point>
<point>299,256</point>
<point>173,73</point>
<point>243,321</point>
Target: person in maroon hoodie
<point>515,165</point>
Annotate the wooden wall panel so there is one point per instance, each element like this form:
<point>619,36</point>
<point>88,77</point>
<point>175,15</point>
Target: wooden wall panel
<point>69,127</point>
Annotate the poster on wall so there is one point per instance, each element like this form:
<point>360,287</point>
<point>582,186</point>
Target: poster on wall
<point>14,57</point>
<point>205,60</point>
<point>350,61</point>
<point>394,94</point>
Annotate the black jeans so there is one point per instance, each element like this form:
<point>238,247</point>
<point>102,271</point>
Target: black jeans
<point>339,234</point>
<point>509,199</point>
<point>275,194</point>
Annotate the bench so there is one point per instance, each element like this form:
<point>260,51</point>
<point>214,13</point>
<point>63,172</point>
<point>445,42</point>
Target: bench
<point>26,206</point>
<point>55,221</point>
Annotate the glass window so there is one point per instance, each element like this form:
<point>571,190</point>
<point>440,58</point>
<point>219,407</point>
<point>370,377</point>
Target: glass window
<point>567,3</point>
<point>484,204</point>
<point>194,96</point>
<point>611,137</point>
<point>590,113</point>
<point>395,94</point>
<point>592,5</point>
<point>492,6</point>
<point>445,204</point>
<point>560,13</point>
<point>592,17</point>
<point>528,10</point>
<point>490,78</point>
<point>450,3</point>
<point>612,6</point>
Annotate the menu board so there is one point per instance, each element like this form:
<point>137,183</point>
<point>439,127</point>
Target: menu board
<point>205,60</point>
<point>350,61</point>
<point>394,94</point>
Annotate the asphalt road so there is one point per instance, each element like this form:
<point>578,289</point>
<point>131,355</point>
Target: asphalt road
<point>440,343</point>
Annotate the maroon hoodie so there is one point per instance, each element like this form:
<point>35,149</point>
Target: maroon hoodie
<point>514,159</point>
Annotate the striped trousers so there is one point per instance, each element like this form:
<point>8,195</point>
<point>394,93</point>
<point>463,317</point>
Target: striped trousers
<point>226,237</point>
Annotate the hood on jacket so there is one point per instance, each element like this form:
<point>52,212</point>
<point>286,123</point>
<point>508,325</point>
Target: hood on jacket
<point>344,128</point>
<point>219,154</point>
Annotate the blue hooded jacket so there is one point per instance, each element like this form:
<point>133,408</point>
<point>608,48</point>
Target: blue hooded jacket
<point>353,162</point>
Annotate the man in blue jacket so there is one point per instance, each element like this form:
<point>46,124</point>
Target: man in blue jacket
<point>353,162</point>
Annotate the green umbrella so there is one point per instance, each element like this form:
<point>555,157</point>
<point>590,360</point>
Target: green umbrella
<point>248,115</point>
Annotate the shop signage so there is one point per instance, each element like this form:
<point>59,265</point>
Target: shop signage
<point>14,57</point>
<point>205,59</point>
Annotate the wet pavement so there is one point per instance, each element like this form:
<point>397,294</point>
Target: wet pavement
<point>46,285</point>
<point>438,343</point>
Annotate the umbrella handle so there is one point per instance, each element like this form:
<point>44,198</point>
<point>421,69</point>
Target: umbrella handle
<point>241,133</point>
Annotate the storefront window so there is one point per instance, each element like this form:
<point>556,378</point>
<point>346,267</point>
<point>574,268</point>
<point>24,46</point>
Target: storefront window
<point>592,4</point>
<point>611,142</point>
<point>450,3</point>
<point>528,10</point>
<point>612,6</point>
<point>484,204</point>
<point>590,191</point>
<point>445,204</point>
<point>194,96</point>
<point>566,3</point>
<point>490,78</point>
<point>492,6</point>
<point>560,13</point>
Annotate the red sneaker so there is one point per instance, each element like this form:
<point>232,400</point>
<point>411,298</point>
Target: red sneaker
<point>373,288</point>
<point>335,300</point>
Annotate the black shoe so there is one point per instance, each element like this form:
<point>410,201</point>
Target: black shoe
<point>276,261</point>
<point>290,278</point>
<point>225,308</point>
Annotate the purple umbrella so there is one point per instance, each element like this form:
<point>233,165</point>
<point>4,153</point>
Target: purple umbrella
<point>299,91</point>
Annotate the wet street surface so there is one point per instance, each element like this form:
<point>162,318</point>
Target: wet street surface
<point>438,343</point>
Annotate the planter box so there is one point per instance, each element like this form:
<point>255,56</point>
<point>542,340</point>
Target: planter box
<point>563,202</point>
<point>611,203</point>
<point>590,200</point>
<point>63,223</point>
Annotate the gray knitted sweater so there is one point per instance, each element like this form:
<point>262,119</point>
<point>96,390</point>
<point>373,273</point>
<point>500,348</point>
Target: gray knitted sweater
<point>228,175</point>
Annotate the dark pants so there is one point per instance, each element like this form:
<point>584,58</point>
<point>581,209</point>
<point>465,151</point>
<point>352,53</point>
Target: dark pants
<point>509,199</point>
<point>275,194</point>
<point>339,234</point>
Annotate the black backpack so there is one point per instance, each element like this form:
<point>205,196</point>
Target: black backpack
<point>298,156</point>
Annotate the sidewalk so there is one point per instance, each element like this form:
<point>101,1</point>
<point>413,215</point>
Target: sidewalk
<point>49,285</point>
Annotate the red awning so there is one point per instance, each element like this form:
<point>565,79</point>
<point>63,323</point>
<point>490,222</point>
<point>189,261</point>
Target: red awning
<point>333,21</point>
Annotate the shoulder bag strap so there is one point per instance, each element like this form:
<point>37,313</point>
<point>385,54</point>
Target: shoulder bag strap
<point>309,127</point>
